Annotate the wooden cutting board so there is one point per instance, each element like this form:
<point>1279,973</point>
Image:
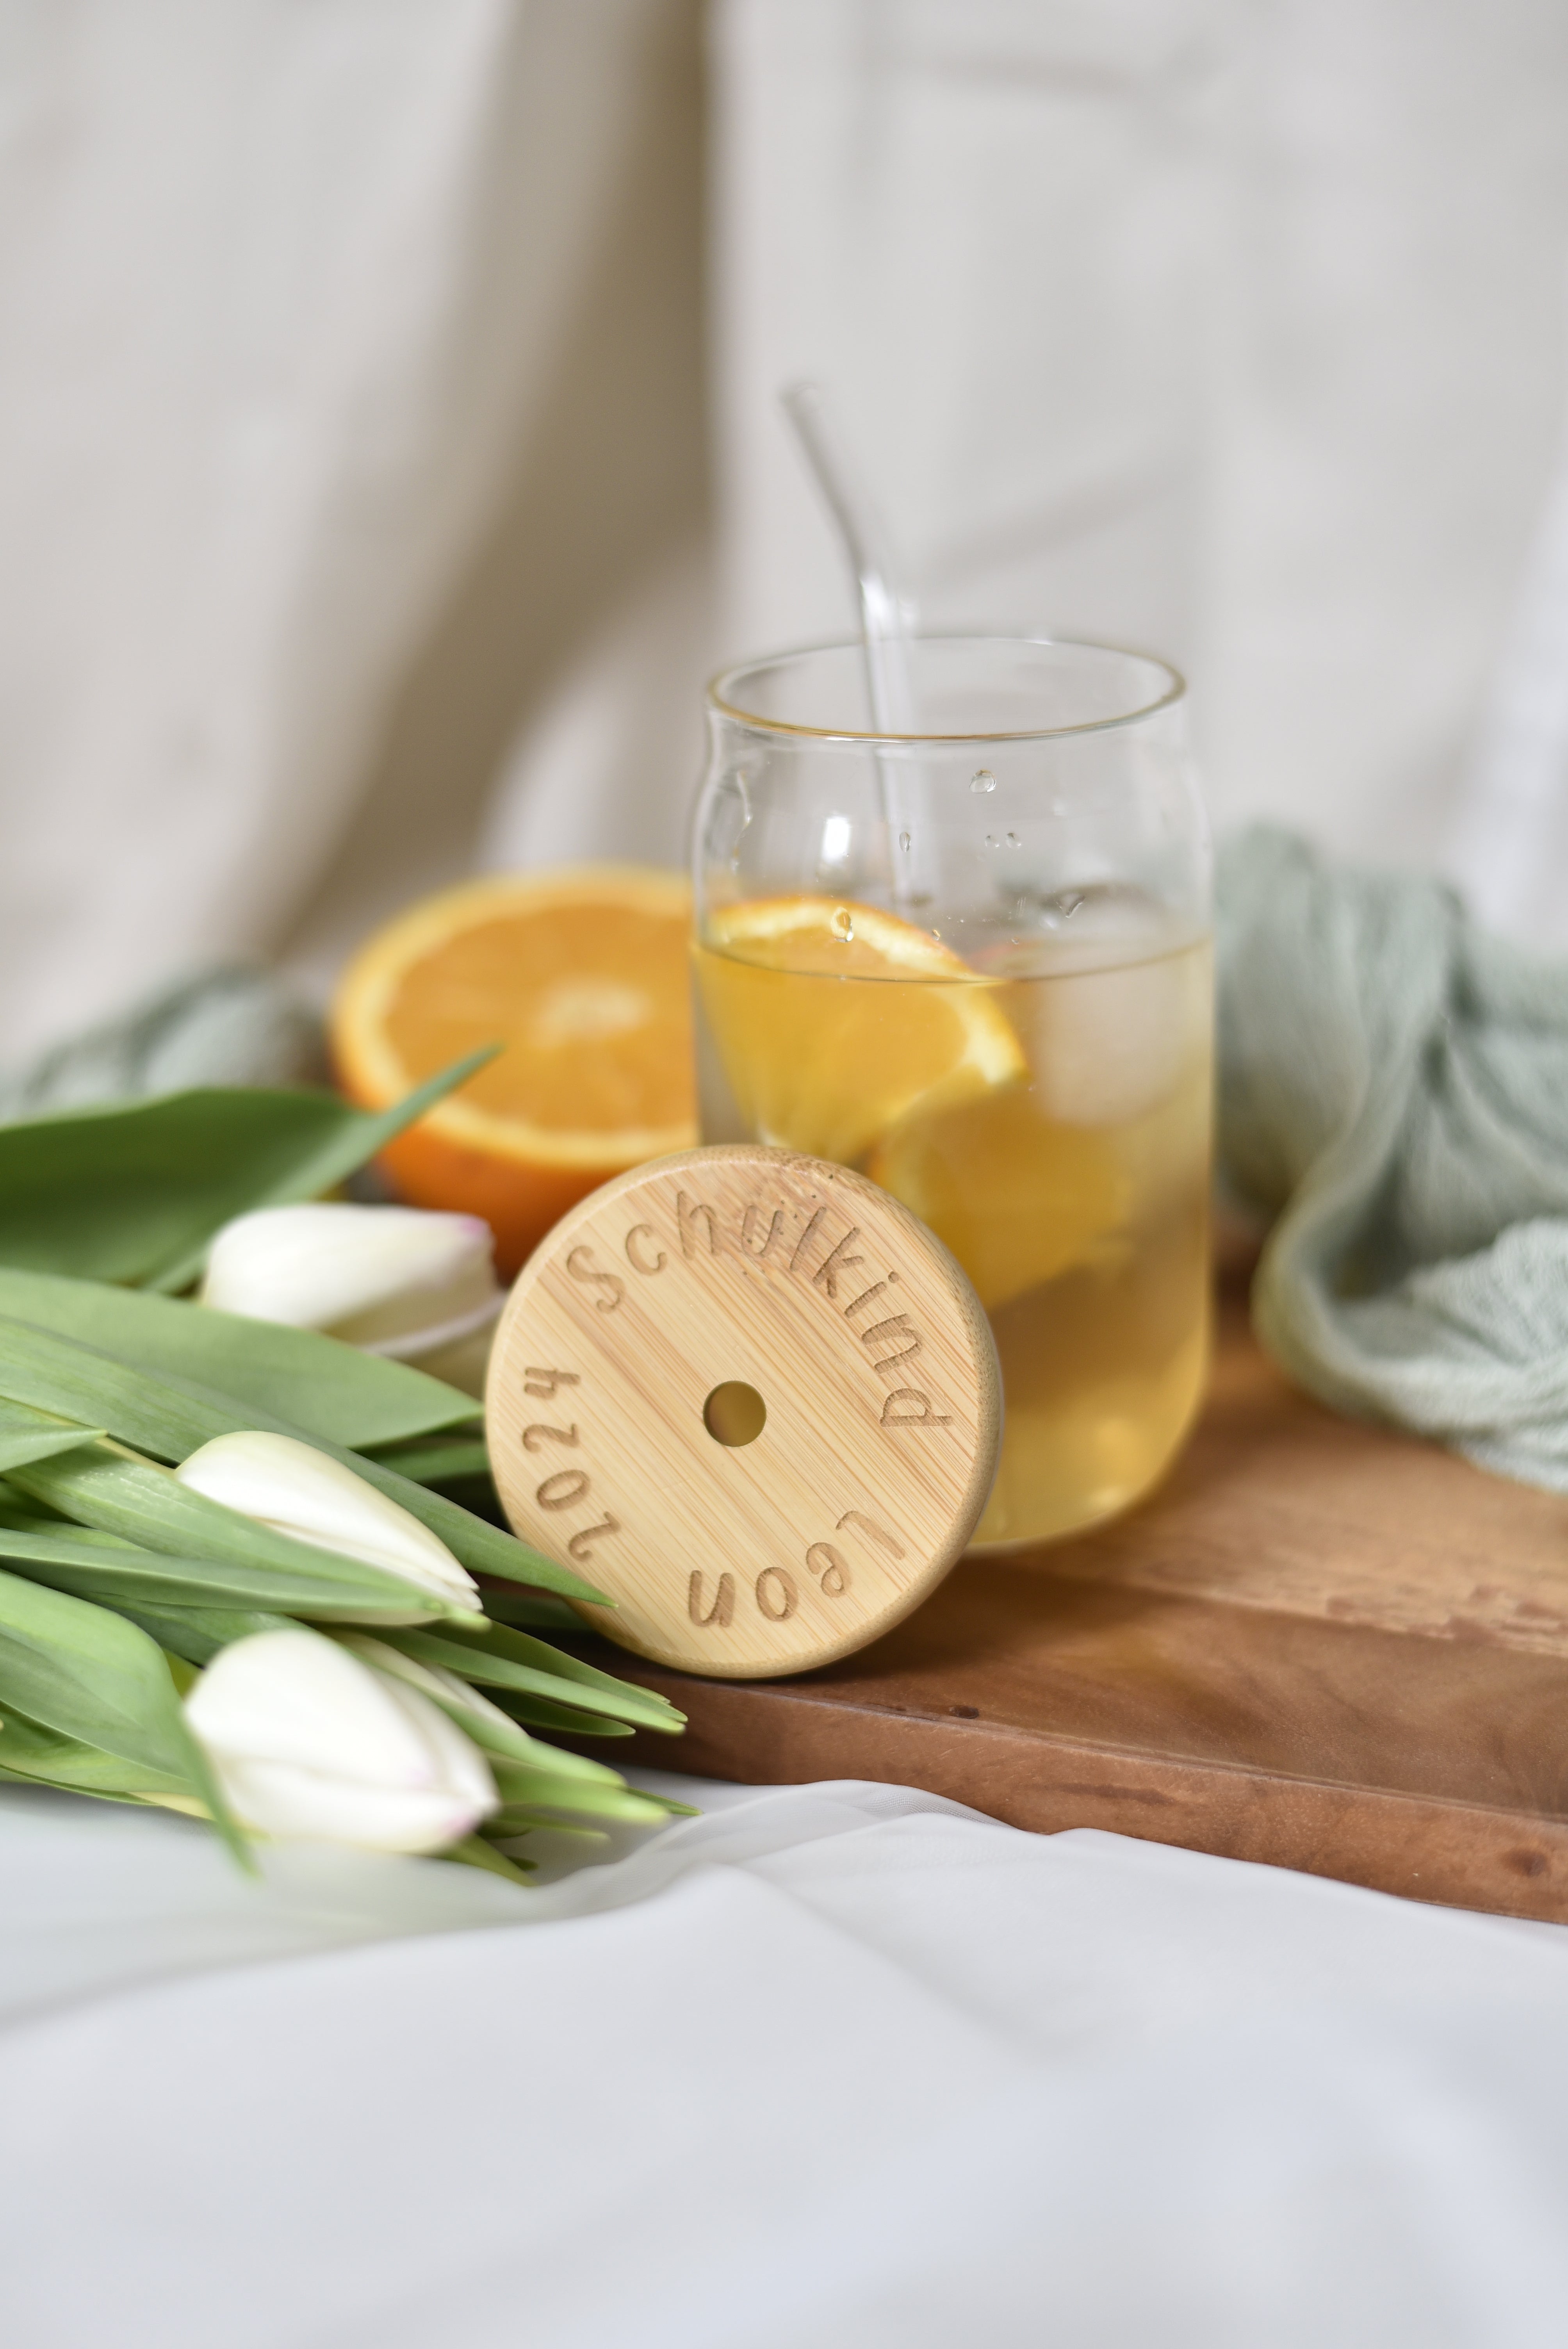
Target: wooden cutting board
<point>1319,1645</point>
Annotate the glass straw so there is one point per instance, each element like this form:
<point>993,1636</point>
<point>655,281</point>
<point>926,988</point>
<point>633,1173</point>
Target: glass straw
<point>886,614</point>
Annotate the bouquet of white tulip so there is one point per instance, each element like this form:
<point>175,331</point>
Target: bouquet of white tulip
<point>232,1582</point>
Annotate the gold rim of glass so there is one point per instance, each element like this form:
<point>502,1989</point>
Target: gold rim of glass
<point>718,699</point>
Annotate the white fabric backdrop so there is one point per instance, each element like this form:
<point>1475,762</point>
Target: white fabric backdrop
<point>1236,331</point>
<point>351,415</point>
<point>841,2064</point>
<point>279,289</point>
<point>348,413</point>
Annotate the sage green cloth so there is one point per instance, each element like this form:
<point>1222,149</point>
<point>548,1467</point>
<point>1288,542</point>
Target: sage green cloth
<point>1394,1089</point>
<point>227,1027</point>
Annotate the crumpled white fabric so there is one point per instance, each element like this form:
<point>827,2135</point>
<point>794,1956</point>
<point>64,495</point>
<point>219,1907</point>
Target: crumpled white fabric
<point>1233,332</point>
<point>283,290</point>
<point>352,418</point>
<point>844,2064</point>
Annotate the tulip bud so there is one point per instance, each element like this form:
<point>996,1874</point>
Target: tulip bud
<point>307,1742</point>
<point>449,1690</point>
<point>299,1491</point>
<point>432,1681</point>
<point>400,1282</point>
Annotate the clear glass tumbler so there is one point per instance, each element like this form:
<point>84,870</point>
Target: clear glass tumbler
<point>972,960</point>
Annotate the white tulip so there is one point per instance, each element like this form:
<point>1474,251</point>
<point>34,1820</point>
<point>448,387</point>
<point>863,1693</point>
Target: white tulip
<point>401,1281</point>
<point>441,1686</point>
<point>433,1681</point>
<point>296,1490</point>
<point>307,1742</point>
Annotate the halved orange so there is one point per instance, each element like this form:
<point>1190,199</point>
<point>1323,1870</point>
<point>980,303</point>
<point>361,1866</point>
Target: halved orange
<point>835,1021</point>
<point>583,976</point>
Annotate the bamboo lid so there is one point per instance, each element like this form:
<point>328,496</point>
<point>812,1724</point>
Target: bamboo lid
<point>752,1399</point>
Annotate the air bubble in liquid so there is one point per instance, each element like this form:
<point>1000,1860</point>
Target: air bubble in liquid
<point>843,925</point>
<point>905,841</point>
<point>1013,840</point>
<point>983,780</point>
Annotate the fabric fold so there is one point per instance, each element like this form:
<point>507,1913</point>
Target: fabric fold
<point>1394,1091</point>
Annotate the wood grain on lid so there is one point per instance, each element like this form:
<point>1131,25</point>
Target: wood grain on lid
<point>868,1363</point>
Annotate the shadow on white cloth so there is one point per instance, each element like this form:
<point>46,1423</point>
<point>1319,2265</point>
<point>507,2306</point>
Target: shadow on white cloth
<point>846,2064</point>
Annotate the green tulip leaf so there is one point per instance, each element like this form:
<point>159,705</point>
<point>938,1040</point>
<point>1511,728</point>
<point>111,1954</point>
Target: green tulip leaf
<point>139,1576</point>
<point>532,1611</point>
<point>560,1720</point>
<point>20,1444</point>
<point>205,1551</point>
<point>196,1633</point>
<point>89,1675</point>
<point>435,1464</point>
<point>329,1390</point>
<point>520,1647</point>
<point>516,1820</point>
<point>541,1671</point>
<point>170,1416</point>
<point>506,1739</point>
<point>28,1750</point>
<point>475,1852</point>
<point>134,1191</point>
<point>542,1789</point>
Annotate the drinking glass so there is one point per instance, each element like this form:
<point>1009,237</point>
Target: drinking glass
<point>972,960</point>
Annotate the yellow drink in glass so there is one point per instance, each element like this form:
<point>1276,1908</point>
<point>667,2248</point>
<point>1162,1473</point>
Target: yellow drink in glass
<point>975,966</point>
<point>1051,1124</point>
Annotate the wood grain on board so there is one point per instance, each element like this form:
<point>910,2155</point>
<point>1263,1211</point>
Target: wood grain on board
<point>1319,1645</point>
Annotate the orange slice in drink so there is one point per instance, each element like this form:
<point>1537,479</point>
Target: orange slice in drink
<point>584,976</point>
<point>835,1021</point>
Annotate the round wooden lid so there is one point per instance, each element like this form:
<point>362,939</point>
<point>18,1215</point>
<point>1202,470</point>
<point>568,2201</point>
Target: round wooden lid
<point>751,1398</point>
